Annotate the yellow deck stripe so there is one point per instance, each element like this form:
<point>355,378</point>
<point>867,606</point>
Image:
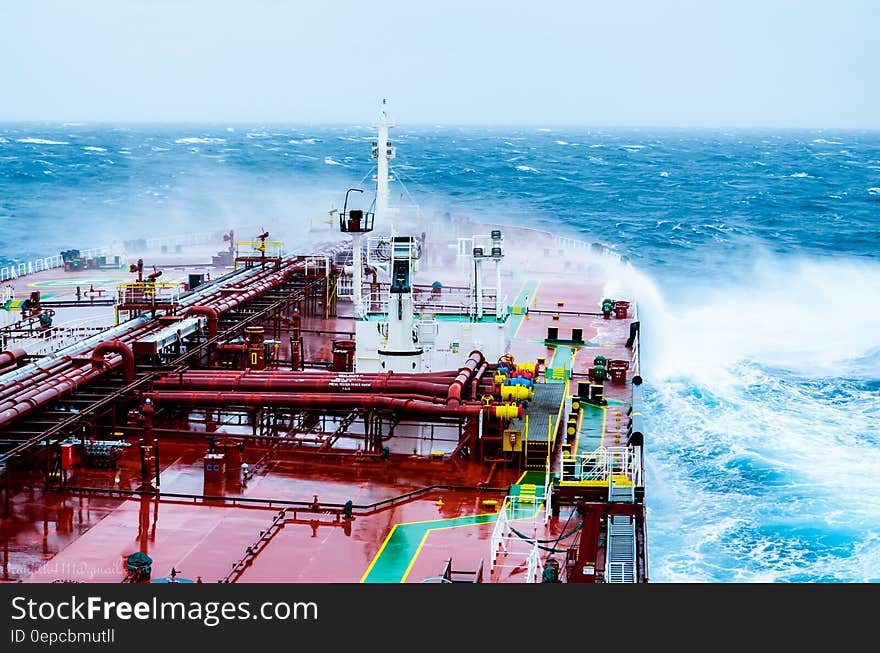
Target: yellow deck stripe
<point>378,553</point>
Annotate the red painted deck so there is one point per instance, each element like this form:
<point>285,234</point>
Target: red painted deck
<point>86,537</point>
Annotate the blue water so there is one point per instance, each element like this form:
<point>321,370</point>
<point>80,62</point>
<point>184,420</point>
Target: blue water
<point>760,253</point>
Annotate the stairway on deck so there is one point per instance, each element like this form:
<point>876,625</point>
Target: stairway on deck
<point>621,550</point>
<point>545,404</point>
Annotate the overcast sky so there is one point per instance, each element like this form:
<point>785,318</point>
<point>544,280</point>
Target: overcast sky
<point>747,63</point>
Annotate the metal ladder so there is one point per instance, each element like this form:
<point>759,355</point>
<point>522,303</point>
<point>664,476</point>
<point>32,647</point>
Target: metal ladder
<point>621,550</point>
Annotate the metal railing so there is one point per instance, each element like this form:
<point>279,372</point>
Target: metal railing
<point>15,270</point>
<point>55,338</point>
<point>534,566</point>
<point>508,540</point>
<point>604,463</point>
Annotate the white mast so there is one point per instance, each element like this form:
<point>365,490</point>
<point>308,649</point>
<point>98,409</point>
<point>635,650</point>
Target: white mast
<point>382,153</point>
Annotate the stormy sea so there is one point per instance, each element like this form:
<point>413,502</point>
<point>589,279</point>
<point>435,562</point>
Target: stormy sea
<point>760,307</point>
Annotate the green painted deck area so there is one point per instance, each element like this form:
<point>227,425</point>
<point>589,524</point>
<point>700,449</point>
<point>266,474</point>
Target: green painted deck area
<point>402,546</point>
<point>532,476</point>
<point>522,299</point>
<point>592,422</point>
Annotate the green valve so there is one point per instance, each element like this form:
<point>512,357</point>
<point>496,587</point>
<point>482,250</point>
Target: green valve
<point>600,360</point>
<point>607,306</point>
<point>599,373</point>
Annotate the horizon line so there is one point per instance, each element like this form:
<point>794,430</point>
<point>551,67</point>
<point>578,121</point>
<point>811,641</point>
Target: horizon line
<point>428,125</point>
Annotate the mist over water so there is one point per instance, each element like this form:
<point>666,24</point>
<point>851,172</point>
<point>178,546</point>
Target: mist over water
<point>757,259</point>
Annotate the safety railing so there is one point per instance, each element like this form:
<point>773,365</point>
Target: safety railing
<point>442,304</point>
<point>148,292</point>
<point>604,463</point>
<point>57,337</point>
<point>534,566</point>
<point>511,541</point>
<point>13,271</point>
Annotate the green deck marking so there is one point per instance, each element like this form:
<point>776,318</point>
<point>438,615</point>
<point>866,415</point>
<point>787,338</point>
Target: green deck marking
<point>403,544</point>
<point>532,476</point>
<point>590,437</point>
<point>527,293</point>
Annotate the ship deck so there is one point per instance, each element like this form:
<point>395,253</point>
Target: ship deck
<point>415,517</point>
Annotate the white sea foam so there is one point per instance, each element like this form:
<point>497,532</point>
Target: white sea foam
<point>799,175</point>
<point>824,142</point>
<point>196,139</point>
<point>303,141</point>
<point>874,190</point>
<point>562,142</point>
<point>633,147</point>
<point>93,148</point>
<point>256,135</point>
<point>544,129</point>
<point>526,169</point>
<point>664,174</point>
<point>727,324</point>
<point>40,141</point>
<point>330,161</point>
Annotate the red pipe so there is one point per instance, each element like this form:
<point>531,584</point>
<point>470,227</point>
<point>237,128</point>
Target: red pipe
<point>116,347</point>
<point>209,312</point>
<point>52,380</point>
<point>477,379</point>
<point>317,401</point>
<point>11,358</point>
<point>378,385</point>
<point>465,374</point>
<point>51,389</point>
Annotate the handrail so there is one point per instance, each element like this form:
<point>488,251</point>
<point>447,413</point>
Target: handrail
<point>603,463</point>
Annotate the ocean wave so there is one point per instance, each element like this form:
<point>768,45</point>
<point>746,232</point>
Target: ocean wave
<point>330,161</point>
<point>633,147</point>
<point>664,174</point>
<point>562,142</point>
<point>93,148</point>
<point>874,190</point>
<point>304,141</point>
<point>40,141</point>
<point>824,142</point>
<point>197,139</point>
<point>526,169</point>
<point>800,175</point>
